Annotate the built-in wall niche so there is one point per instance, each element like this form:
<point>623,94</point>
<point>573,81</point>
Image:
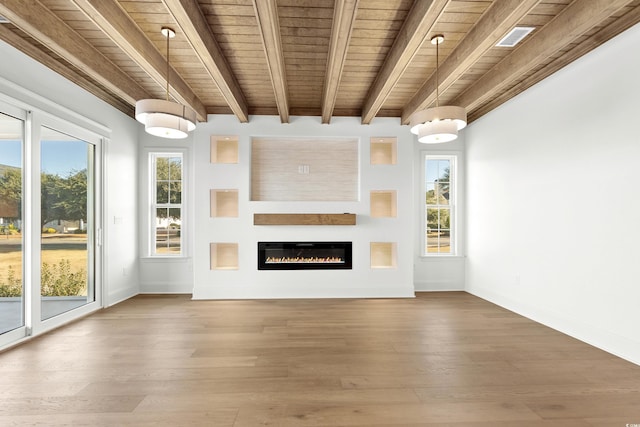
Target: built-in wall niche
<point>224,256</point>
<point>383,203</point>
<point>383,150</point>
<point>383,255</point>
<point>224,203</point>
<point>304,169</point>
<point>224,149</point>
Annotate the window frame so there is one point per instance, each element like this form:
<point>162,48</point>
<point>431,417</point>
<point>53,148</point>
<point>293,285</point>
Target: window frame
<point>152,156</point>
<point>453,206</point>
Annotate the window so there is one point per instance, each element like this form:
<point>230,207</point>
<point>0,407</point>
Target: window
<point>166,204</point>
<point>439,204</point>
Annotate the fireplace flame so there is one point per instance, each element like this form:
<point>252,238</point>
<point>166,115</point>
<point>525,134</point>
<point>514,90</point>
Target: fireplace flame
<point>301,260</point>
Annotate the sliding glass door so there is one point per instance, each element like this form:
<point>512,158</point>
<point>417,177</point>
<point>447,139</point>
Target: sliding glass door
<point>66,216</point>
<point>49,222</point>
<point>12,301</point>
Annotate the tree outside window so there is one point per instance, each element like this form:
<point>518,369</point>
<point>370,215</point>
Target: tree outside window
<point>439,203</point>
<point>167,204</point>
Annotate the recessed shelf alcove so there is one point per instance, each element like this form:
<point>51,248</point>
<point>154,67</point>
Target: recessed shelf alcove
<point>224,256</point>
<point>224,149</point>
<point>224,203</point>
<point>383,203</point>
<point>383,254</point>
<point>383,150</point>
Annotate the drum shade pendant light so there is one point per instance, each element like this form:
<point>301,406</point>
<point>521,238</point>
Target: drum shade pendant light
<point>438,124</point>
<point>164,118</point>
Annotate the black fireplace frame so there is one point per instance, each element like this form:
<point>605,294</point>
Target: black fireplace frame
<point>301,246</point>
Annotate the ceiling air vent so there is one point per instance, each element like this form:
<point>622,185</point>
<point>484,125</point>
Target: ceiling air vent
<point>514,36</point>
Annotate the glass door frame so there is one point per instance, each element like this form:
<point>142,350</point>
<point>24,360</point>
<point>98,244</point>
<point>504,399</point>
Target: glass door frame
<point>34,120</point>
<point>23,330</point>
<point>93,234</point>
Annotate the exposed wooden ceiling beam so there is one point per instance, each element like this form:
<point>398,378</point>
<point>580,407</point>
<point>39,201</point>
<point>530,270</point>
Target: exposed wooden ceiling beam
<point>500,18</point>
<point>344,15</point>
<point>268,23</point>
<point>115,23</point>
<point>576,19</point>
<point>64,70</point>
<point>194,26</point>
<point>44,26</point>
<point>419,23</point>
<point>627,21</point>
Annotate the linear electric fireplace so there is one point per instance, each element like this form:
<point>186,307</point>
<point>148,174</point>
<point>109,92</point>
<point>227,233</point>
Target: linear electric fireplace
<point>304,255</point>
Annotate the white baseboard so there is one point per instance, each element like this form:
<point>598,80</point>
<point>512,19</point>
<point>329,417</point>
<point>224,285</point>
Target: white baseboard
<point>424,286</point>
<point>166,288</point>
<point>119,296</point>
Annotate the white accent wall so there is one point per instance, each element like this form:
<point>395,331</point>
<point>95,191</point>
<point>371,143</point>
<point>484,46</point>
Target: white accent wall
<point>25,80</point>
<point>247,281</point>
<point>553,206</point>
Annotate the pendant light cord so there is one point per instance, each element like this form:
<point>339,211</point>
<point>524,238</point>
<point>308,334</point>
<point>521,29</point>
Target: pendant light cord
<point>437,80</point>
<point>168,37</point>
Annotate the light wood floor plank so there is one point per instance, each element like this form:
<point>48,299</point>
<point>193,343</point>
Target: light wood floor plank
<point>443,359</point>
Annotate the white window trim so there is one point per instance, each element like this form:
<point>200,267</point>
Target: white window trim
<point>456,158</point>
<point>147,234</point>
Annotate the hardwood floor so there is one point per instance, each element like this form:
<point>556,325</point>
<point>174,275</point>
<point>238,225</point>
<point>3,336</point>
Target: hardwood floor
<point>441,359</point>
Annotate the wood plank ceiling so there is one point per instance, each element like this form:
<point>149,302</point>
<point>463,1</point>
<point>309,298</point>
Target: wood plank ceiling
<point>363,58</point>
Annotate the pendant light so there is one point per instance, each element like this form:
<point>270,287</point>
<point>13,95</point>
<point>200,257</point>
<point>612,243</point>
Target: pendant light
<point>164,118</point>
<point>438,124</point>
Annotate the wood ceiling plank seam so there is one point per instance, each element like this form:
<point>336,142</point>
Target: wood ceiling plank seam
<point>384,42</point>
<point>459,18</point>
<point>419,23</point>
<point>55,5</point>
<point>344,16</point>
<point>311,4</point>
<point>576,19</point>
<point>468,7</point>
<point>117,25</point>
<point>303,12</point>
<point>47,28</point>
<point>497,20</point>
<point>237,38</point>
<point>306,32</point>
<point>304,42</point>
<point>227,9</point>
<point>192,22</point>
<point>626,21</point>
<point>136,7</point>
<point>306,22</point>
<point>266,13</point>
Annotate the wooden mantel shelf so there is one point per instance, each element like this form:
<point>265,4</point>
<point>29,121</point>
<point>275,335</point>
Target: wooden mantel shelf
<point>304,219</point>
